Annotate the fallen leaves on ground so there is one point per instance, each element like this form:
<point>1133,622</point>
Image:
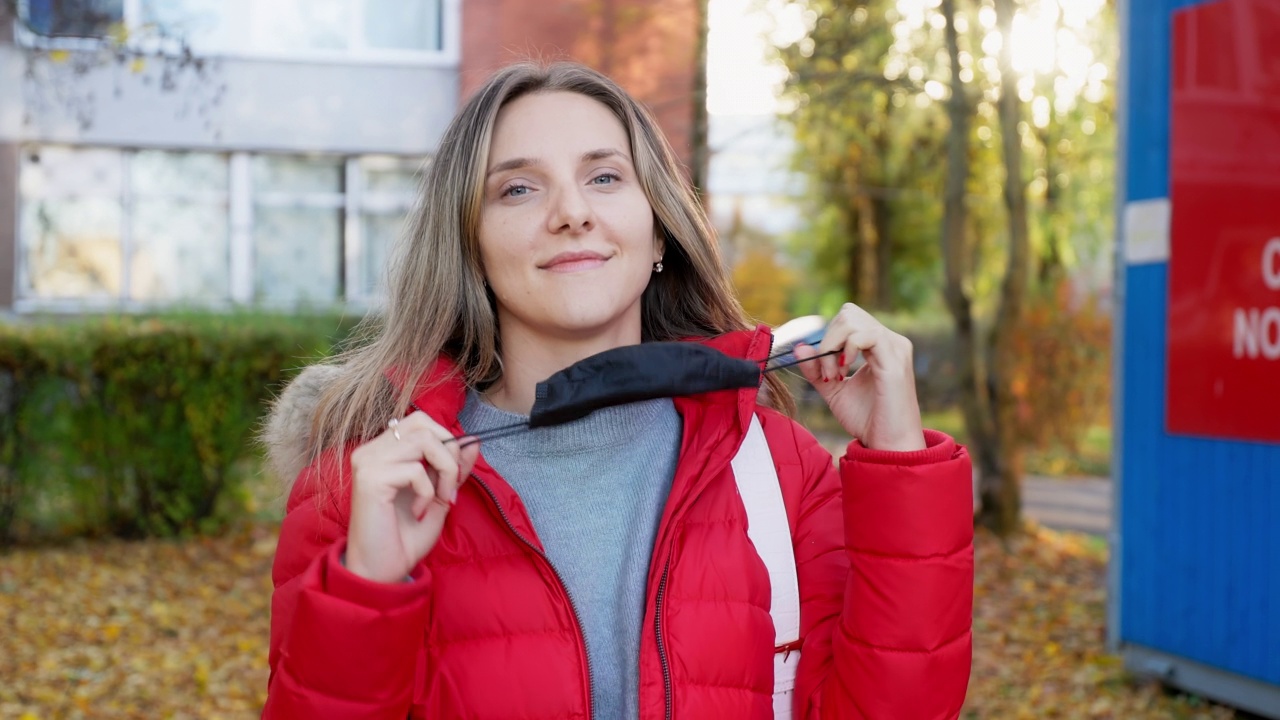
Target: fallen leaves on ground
<point>179,629</point>
<point>155,629</point>
<point>1039,637</point>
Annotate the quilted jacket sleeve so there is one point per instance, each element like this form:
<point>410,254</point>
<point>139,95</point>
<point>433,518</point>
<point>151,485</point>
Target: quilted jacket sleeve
<point>341,646</point>
<point>884,557</point>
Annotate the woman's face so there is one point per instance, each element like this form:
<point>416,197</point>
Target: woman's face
<point>566,234</point>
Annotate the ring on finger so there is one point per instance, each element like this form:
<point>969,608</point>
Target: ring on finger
<point>394,425</point>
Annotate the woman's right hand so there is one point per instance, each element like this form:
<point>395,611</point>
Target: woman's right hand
<point>402,490</point>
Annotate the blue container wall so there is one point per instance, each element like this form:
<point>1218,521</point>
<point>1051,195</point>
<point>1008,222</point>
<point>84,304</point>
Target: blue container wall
<point>1200,519</point>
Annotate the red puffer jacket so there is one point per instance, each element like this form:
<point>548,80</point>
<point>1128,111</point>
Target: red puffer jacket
<point>884,556</point>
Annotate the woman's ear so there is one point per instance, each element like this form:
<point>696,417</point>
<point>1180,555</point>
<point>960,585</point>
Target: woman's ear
<point>659,244</point>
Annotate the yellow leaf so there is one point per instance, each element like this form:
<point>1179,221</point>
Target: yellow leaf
<point>111,631</point>
<point>202,676</point>
<point>59,56</point>
<point>138,65</point>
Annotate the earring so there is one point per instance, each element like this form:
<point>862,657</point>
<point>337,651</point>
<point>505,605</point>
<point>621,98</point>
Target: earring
<point>657,267</point>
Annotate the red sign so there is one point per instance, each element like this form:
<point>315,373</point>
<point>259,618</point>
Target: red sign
<point>1224,261</point>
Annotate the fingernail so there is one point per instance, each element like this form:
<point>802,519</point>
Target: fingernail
<point>841,358</point>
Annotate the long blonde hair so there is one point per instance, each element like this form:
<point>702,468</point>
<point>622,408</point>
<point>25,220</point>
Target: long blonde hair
<point>437,301</point>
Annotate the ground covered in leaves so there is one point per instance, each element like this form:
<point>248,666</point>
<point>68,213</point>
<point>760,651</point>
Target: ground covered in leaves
<point>178,629</point>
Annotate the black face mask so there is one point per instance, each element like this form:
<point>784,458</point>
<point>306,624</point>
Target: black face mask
<point>634,373</point>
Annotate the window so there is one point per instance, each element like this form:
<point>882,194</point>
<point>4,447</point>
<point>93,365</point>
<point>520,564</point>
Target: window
<point>129,228</point>
<point>326,29</point>
<point>347,25</point>
<point>297,229</point>
<point>388,191</point>
<point>179,230</point>
<point>287,25</point>
<point>204,25</point>
<point>108,225</point>
<point>72,18</point>
<point>71,220</point>
<point>400,25</point>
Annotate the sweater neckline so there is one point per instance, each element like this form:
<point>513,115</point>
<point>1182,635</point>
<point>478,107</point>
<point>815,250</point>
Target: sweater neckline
<point>605,428</point>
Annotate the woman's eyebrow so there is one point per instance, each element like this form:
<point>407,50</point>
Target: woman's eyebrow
<point>602,153</point>
<point>513,164</point>
<point>524,162</point>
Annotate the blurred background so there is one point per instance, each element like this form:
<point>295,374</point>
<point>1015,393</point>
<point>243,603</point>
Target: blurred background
<point>1063,203</point>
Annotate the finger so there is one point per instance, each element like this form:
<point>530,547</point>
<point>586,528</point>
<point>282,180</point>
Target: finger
<point>469,455</point>
<point>442,460</point>
<point>447,439</point>
<point>424,533</point>
<point>808,368</point>
<point>856,331</point>
<point>418,422</point>
<point>836,340</point>
<point>424,491</point>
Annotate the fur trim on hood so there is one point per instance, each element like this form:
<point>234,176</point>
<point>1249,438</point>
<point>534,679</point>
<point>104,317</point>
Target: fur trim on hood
<point>287,433</point>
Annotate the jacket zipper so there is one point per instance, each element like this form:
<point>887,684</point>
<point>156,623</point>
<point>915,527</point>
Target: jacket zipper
<point>668,704</point>
<point>662,647</point>
<point>586,649</point>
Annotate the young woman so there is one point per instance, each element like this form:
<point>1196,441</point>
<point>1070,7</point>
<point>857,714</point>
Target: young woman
<point>600,568</point>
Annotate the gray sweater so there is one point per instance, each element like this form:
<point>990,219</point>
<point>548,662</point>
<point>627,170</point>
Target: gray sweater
<point>595,489</point>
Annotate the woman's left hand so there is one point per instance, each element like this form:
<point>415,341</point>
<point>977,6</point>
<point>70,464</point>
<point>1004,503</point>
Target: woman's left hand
<point>877,404</point>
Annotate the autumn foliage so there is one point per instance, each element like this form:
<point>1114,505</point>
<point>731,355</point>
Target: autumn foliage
<point>764,285</point>
<point>1062,384</point>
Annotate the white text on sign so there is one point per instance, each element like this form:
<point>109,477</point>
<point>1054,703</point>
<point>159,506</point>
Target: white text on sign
<point>1257,330</point>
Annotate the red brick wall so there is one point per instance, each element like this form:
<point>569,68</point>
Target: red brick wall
<point>650,47</point>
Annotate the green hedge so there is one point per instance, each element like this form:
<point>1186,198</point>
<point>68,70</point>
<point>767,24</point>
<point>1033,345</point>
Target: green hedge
<point>139,425</point>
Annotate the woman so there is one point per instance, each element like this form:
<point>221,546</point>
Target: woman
<point>600,568</point>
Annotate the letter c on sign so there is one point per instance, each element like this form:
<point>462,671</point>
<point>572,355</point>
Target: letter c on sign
<point>1271,264</point>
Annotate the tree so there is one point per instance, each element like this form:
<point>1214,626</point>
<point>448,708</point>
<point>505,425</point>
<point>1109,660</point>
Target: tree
<point>53,74</point>
<point>1015,213</point>
<point>864,144</point>
<point>1001,467</point>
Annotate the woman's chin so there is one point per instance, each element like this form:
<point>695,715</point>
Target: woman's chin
<point>590,320</point>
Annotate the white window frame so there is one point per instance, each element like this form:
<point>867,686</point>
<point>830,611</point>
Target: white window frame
<point>355,200</point>
<point>448,56</point>
<point>25,301</point>
<point>362,201</point>
<point>293,199</point>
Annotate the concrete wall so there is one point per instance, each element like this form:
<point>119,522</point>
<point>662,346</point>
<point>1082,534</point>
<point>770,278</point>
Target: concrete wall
<point>8,223</point>
<point>230,104</point>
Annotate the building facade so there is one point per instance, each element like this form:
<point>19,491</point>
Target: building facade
<point>245,154</point>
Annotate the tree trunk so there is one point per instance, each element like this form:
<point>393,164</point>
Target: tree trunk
<point>701,150</point>
<point>980,416</point>
<point>1001,492</point>
<point>884,254</point>
<point>868,251</point>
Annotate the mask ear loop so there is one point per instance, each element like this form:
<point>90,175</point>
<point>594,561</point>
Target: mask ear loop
<point>501,431</point>
<point>793,363</point>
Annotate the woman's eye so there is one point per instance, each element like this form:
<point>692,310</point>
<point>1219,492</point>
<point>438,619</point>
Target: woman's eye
<point>516,191</point>
<point>605,179</point>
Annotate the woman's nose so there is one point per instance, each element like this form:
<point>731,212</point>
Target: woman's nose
<point>570,212</point>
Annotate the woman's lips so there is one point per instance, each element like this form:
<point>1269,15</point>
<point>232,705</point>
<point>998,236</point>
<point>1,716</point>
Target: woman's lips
<point>575,262</point>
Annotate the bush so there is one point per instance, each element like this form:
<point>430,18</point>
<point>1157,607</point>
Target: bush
<point>135,426</point>
<point>1062,383</point>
